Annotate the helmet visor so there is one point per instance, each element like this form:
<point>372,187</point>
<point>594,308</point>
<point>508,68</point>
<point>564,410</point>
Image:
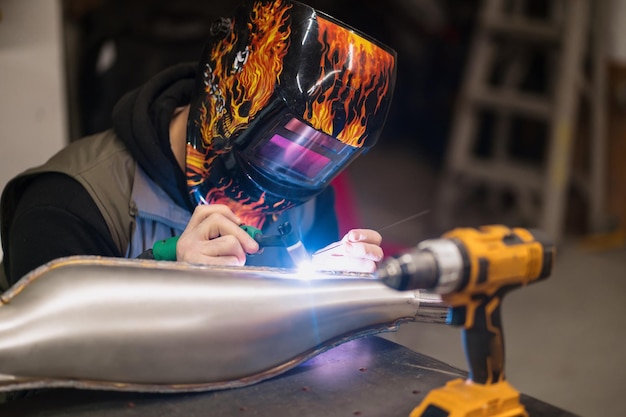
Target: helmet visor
<point>293,153</point>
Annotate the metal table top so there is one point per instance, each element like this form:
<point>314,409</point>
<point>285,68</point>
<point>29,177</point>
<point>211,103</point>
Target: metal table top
<point>365,377</point>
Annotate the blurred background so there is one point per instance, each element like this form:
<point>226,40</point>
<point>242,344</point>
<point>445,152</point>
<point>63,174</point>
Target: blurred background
<point>505,111</point>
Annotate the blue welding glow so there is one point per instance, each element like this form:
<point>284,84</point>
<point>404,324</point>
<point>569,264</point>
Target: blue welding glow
<point>307,271</point>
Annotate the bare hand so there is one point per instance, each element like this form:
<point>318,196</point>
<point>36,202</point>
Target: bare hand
<point>213,237</point>
<point>358,251</point>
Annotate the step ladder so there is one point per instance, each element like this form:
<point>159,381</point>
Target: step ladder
<point>495,92</point>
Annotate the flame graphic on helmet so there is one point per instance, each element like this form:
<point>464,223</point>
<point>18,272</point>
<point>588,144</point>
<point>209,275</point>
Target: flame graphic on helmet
<point>354,81</point>
<point>251,212</point>
<point>238,91</point>
<point>235,91</point>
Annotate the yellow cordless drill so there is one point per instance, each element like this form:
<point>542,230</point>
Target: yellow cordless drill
<point>472,269</point>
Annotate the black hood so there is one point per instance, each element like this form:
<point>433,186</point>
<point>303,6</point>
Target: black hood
<point>141,119</point>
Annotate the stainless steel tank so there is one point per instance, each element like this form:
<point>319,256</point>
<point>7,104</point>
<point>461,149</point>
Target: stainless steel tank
<point>139,325</point>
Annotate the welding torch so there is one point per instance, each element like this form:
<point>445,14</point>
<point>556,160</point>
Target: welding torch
<point>286,238</point>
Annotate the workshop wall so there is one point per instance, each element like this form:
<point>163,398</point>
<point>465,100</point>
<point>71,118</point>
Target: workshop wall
<point>32,81</point>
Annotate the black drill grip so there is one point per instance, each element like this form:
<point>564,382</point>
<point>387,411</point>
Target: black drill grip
<point>484,340</point>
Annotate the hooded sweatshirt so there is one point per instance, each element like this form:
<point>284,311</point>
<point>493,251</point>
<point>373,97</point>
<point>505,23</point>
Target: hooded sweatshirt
<point>141,119</point>
<point>47,213</point>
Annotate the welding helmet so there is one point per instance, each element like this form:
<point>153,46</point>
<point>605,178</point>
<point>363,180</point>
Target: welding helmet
<point>286,97</point>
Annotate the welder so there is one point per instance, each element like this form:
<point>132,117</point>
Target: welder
<point>282,99</point>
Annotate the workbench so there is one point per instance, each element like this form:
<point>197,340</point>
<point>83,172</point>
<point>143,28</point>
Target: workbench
<point>369,377</point>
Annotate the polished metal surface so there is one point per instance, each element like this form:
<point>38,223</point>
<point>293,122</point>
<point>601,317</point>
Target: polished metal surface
<point>159,326</point>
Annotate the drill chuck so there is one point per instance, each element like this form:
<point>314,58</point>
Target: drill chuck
<point>436,265</point>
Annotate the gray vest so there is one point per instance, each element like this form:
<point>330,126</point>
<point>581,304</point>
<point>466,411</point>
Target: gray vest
<point>136,211</point>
